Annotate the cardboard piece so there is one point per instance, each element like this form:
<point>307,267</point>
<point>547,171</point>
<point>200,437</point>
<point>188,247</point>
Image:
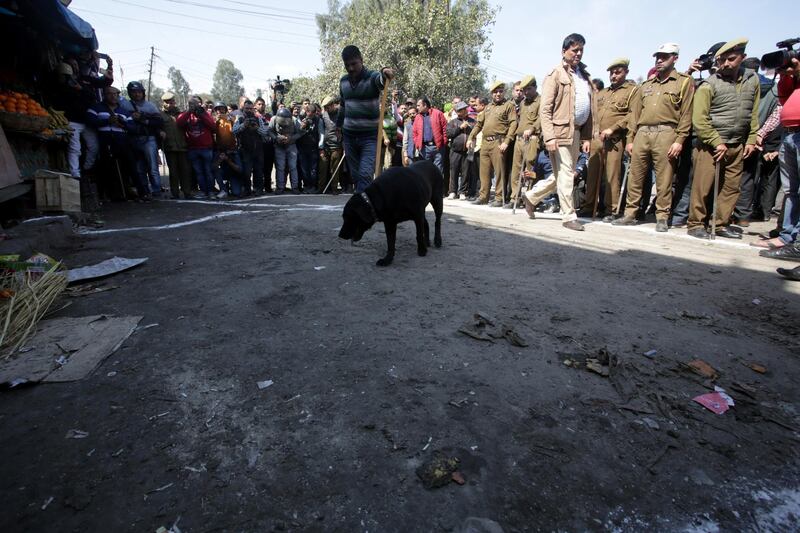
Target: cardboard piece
<point>83,342</point>
<point>103,269</point>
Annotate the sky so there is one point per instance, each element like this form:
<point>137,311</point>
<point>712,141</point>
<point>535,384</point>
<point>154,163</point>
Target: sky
<point>269,38</point>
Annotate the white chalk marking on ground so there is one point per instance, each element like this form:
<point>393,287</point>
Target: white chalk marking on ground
<point>240,203</point>
<point>677,233</point>
<point>222,214</point>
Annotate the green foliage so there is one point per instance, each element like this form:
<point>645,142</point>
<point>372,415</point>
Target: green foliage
<point>434,47</point>
<point>306,87</point>
<point>180,87</point>
<point>227,82</point>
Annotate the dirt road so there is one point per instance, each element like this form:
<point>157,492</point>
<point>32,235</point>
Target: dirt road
<point>372,379</point>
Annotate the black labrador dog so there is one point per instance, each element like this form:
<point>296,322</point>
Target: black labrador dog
<point>397,195</point>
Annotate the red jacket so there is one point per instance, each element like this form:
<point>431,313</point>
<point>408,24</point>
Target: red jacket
<point>789,97</point>
<point>199,130</point>
<point>438,125</point>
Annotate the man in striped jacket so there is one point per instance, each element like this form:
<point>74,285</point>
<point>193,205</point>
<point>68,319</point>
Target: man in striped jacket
<point>359,115</point>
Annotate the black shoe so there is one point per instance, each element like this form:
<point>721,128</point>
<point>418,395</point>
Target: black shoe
<point>496,203</point>
<point>661,226</point>
<point>792,274</point>
<point>698,233</point>
<point>790,252</point>
<point>624,221</point>
<point>573,225</point>
<point>479,202</point>
<point>727,233</point>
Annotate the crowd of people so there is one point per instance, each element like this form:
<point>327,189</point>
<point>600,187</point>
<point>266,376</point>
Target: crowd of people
<point>706,154</point>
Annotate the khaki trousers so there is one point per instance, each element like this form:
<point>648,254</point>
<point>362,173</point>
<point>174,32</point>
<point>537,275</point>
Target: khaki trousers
<point>730,177</point>
<point>541,189</point>
<point>609,170</point>
<point>524,157</point>
<point>650,145</point>
<point>180,173</point>
<point>327,165</point>
<point>492,159</point>
<point>563,161</point>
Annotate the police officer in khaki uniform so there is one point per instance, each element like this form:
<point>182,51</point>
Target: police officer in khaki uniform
<point>495,123</point>
<point>725,120</point>
<point>608,141</point>
<point>660,121</point>
<point>526,132</point>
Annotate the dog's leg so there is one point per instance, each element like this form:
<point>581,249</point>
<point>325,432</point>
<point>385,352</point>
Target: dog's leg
<point>438,207</point>
<point>419,222</point>
<point>427,233</point>
<point>391,236</point>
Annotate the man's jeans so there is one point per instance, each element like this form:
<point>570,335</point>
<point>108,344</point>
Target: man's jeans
<point>309,161</point>
<point>435,156</point>
<point>253,163</point>
<point>790,180</point>
<point>360,151</point>
<point>201,164</point>
<point>286,159</point>
<point>89,136</point>
<point>147,161</point>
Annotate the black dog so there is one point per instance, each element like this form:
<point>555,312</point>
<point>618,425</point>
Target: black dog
<point>397,195</point>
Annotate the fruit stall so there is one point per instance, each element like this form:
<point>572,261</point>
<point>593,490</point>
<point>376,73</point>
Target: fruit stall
<point>35,133</point>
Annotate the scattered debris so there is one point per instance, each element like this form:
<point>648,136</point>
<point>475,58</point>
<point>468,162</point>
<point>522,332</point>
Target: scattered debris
<point>595,366</point>
<point>459,403</point>
<point>652,424</point>
<point>438,471</point>
<point>88,289</point>
<point>430,439</point>
<point>755,367</point>
<point>319,268</point>
<point>650,353</point>
<point>264,384</point>
<point>47,502</point>
<point>76,434</point>
<point>725,396</point>
<point>196,469</point>
<point>118,452</point>
<point>111,374</point>
<point>61,360</point>
<point>485,328</point>
<point>91,452</point>
<point>148,326</point>
<point>103,269</point>
<point>701,368</point>
<point>458,477</point>
<point>713,401</point>
<point>756,301</point>
<point>159,489</point>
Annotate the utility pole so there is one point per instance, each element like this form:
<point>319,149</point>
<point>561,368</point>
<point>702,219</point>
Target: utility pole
<point>150,71</point>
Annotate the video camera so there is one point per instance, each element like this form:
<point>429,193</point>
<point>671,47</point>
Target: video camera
<point>706,61</point>
<point>782,58</point>
<point>281,86</point>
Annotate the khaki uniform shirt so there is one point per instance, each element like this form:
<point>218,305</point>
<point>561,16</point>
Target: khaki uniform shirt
<point>496,121</point>
<point>613,105</point>
<point>528,118</point>
<point>667,103</point>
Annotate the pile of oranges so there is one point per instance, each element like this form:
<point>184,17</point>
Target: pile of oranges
<point>14,102</point>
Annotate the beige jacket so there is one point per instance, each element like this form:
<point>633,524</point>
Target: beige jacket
<point>557,110</point>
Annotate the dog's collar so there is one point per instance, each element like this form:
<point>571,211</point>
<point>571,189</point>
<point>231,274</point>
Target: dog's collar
<point>371,207</point>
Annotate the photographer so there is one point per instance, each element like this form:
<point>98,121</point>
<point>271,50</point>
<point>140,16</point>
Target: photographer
<point>199,128</point>
<point>787,114</point>
<point>284,130</point>
<point>147,123</point>
<point>308,147</point>
<point>226,164</point>
<point>251,132</point>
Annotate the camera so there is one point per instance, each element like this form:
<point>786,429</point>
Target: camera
<point>706,61</point>
<point>782,58</point>
<point>280,86</point>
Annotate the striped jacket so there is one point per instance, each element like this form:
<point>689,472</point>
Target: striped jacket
<point>360,103</point>
<point>98,117</point>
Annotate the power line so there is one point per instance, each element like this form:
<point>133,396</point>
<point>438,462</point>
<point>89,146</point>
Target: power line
<point>311,13</point>
<point>209,20</point>
<point>283,18</point>
<point>199,31</point>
